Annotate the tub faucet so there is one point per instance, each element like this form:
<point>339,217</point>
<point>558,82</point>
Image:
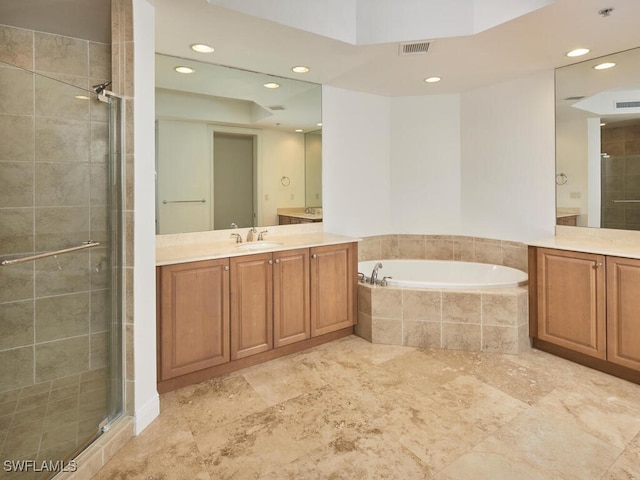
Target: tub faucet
<point>374,274</point>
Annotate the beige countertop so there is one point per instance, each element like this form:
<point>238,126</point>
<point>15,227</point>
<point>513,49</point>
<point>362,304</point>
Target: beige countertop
<point>299,212</point>
<point>619,243</point>
<point>181,248</point>
<point>309,216</point>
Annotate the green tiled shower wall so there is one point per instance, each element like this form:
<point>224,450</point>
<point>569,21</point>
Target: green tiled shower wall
<point>54,312</point>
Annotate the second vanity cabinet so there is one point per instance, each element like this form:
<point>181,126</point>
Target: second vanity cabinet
<point>587,304</point>
<point>215,316</point>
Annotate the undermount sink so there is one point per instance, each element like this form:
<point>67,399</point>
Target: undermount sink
<point>258,245</point>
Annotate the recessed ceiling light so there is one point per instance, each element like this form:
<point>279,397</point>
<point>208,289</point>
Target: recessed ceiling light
<point>82,97</point>
<point>578,52</point>
<point>604,66</point>
<point>272,85</point>
<point>202,48</point>
<point>319,124</point>
<point>432,79</point>
<point>299,130</point>
<point>183,69</point>
<point>602,124</point>
<point>300,69</point>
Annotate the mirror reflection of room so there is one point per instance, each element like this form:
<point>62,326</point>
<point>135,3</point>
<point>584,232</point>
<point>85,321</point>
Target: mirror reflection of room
<point>232,150</point>
<point>598,142</point>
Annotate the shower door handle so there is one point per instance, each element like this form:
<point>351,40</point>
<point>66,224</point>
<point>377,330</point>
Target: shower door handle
<point>88,244</point>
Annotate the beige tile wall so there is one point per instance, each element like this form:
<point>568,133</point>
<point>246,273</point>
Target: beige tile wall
<point>444,247</point>
<point>493,320</point>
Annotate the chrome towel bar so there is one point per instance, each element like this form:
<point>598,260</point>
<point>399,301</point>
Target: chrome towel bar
<point>88,244</point>
<point>184,201</point>
<point>625,201</point>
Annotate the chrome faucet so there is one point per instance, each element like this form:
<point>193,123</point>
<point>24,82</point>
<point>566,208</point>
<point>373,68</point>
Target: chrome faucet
<point>251,233</point>
<point>261,235</point>
<point>238,237</point>
<point>374,274</point>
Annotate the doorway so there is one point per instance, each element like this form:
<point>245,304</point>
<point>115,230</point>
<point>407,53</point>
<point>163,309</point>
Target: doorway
<point>234,180</point>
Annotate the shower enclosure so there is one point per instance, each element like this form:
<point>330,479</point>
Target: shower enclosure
<point>60,252</point>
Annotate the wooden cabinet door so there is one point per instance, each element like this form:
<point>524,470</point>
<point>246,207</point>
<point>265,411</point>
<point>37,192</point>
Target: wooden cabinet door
<point>623,312</point>
<point>291,314</point>
<point>251,305</point>
<point>194,317</point>
<point>333,287</point>
<point>571,300</point>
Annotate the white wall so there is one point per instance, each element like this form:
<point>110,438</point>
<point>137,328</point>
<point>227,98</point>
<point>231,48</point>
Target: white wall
<point>508,160</point>
<point>355,162</point>
<point>146,400</point>
<point>571,148</point>
<point>283,156</point>
<point>425,164</point>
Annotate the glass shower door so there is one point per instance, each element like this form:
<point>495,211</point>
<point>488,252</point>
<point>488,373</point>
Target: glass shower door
<point>60,249</point>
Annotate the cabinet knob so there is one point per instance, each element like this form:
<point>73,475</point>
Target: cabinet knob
<point>226,267</point>
<point>598,264</point>
<point>314,256</point>
<point>270,262</point>
<point>277,260</point>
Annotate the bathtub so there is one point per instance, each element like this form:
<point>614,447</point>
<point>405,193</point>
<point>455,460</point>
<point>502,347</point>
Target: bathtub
<point>445,274</point>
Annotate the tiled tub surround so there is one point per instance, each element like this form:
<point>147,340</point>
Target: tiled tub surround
<point>492,320</point>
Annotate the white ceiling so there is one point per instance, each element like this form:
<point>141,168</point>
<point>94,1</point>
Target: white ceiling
<point>530,43</point>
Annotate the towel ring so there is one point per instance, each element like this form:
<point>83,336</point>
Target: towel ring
<point>561,179</point>
<point>286,181</point>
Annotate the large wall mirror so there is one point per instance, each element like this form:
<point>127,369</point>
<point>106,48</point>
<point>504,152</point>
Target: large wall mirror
<point>233,147</point>
<point>598,142</point>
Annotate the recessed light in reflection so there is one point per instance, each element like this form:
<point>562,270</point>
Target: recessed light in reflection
<point>299,130</point>
<point>319,124</point>
<point>183,69</point>
<point>202,48</point>
<point>578,52</point>
<point>604,66</point>
<point>272,85</point>
<point>81,97</point>
<point>602,124</point>
<point>432,79</point>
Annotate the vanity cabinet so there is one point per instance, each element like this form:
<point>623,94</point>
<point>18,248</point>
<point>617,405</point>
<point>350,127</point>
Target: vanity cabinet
<point>193,327</point>
<point>571,300</point>
<point>293,220</point>
<point>217,316</point>
<point>623,312</point>
<point>333,287</point>
<point>291,303</point>
<point>586,307</point>
<point>251,305</point>
<point>269,301</point>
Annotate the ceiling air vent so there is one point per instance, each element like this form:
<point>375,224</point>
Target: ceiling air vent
<point>415,48</point>
<point>628,104</point>
<point>276,107</point>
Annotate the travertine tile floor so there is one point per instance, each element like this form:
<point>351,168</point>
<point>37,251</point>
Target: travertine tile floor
<point>353,410</point>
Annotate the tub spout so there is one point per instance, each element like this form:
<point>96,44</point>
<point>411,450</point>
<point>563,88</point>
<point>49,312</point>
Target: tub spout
<point>374,274</point>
